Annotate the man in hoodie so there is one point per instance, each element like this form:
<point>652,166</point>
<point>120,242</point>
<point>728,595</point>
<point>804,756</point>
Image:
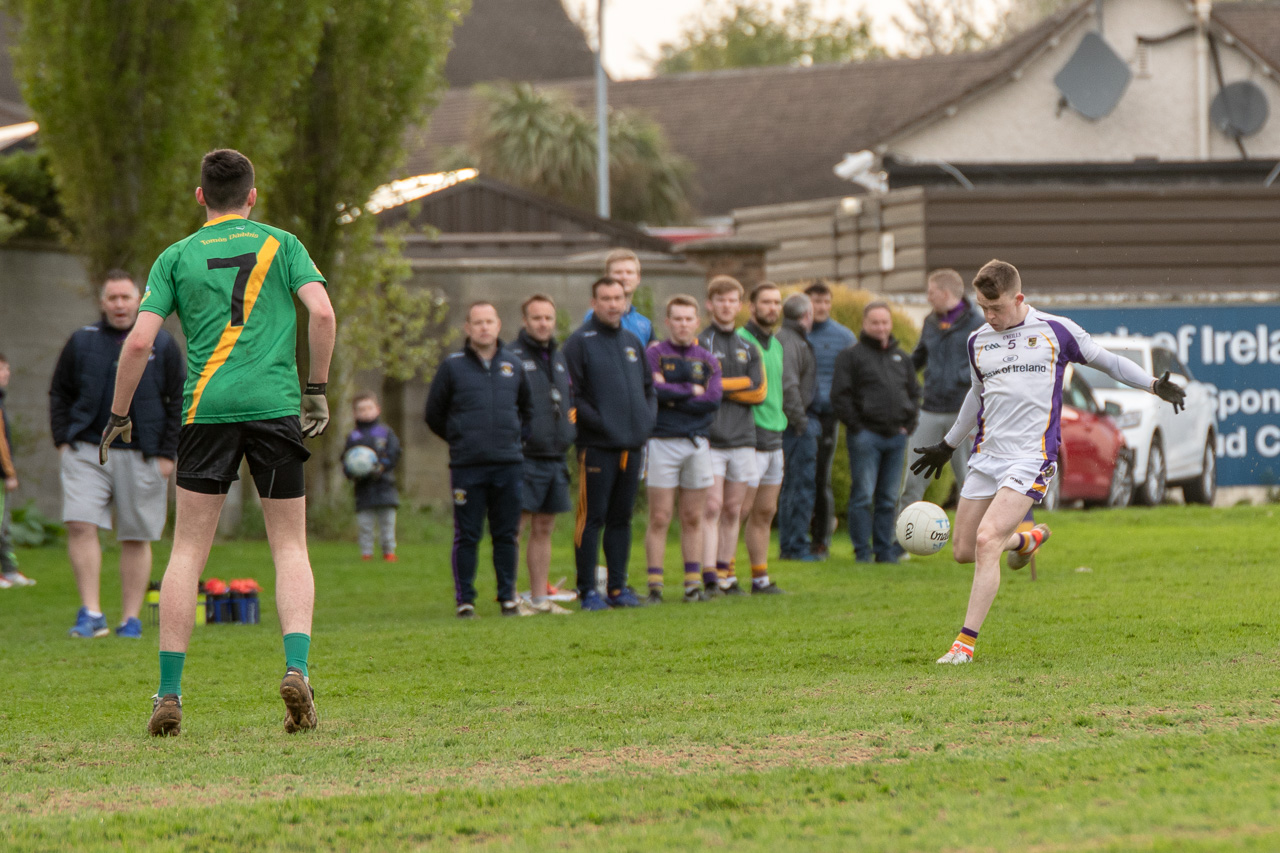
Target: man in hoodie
<point>875,394</point>
<point>828,339</point>
<point>761,501</point>
<point>479,403</point>
<point>943,354</point>
<point>550,434</point>
<point>800,439</point>
<point>686,378</point>
<point>135,481</point>
<point>614,409</point>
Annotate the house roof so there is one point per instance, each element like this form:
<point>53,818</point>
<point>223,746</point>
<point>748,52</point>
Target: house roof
<point>770,135</point>
<point>517,40</point>
<point>1255,24</point>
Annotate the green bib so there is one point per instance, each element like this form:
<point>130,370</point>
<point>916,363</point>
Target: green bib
<point>769,414</point>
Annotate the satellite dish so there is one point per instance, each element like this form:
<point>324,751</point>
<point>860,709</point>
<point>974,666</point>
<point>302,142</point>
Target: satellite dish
<point>1094,78</point>
<point>1239,109</point>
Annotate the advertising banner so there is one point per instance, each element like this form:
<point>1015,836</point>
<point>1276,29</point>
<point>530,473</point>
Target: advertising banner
<point>1235,348</point>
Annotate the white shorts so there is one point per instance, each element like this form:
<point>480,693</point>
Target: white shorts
<point>988,474</point>
<point>768,468</point>
<point>681,462</point>
<point>734,464</point>
<point>130,482</point>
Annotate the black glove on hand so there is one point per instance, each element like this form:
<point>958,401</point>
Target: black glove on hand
<point>932,459</point>
<point>1169,392</point>
<point>118,425</point>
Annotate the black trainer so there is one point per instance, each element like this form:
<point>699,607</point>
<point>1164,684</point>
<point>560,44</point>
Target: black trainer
<point>766,589</point>
<point>510,608</point>
<point>654,597</point>
<point>466,611</point>
<point>695,593</point>
<point>732,589</point>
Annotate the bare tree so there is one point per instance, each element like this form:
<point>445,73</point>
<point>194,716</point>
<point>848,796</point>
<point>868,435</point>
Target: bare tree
<point>959,26</point>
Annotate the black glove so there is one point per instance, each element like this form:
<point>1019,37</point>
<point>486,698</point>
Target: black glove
<point>1169,392</point>
<point>932,459</point>
<point>118,425</point>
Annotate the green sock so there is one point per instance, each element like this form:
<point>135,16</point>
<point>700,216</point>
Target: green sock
<point>296,649</point>
<point>171,672</point>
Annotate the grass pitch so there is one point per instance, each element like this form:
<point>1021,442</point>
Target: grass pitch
<point>1127,700</point>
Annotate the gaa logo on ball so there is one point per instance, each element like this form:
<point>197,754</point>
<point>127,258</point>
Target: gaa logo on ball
<point>923,528</point>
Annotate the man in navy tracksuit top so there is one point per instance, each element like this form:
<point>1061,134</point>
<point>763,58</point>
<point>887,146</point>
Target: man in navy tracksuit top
<point>478,402</point>
<point>615,409</point>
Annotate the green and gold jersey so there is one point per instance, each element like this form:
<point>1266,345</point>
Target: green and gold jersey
<point>232,284</point>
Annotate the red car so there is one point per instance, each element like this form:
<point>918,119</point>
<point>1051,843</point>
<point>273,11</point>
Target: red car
<point>1094,464</point>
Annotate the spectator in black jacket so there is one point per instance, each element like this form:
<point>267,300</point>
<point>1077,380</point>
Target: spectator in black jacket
<point>376,497</point>
<point>135,478</point>
<point>550,434</point>
<point>875,393</point>
<point>478,402</point>
<point>615,408</point>
<point>800,439</point>
<point>944,356</point>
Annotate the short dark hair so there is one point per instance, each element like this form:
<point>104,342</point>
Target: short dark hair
<point>226,177</point>
<point>477,304</point>
<point>537,297</point>
<point>604,281</point>
<point>818,288</point>
<point>117,274</point>
<point>362,396</point>
<point>4,359</point>
<point>761,288</point>
<point>996,278</point>
<point>872,306</point>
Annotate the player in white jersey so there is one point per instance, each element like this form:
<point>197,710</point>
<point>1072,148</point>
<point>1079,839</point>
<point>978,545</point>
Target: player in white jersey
<point>1017,362</point>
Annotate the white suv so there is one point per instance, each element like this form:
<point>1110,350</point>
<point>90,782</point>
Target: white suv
<point>1169,449</point>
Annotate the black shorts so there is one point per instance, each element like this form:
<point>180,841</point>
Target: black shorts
<point>546,486</point>
<point>209,456</point>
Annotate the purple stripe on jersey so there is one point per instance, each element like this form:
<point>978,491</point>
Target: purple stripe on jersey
<point>982,428</point>
<point>973,354</point>
<point>1040,487</point>
<point>1053,431</point>
<point>1070,349</point>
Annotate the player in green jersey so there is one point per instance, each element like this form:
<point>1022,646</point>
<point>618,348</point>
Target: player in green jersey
<point>232,284</point>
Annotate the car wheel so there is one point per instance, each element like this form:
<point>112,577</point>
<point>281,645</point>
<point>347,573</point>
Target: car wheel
<point>1052,499</point>
<point>1151,489</point>
<point>1204,488</point>
<point>1121,491</point>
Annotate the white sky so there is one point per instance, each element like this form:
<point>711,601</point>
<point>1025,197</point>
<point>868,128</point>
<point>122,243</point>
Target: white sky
<point>635,28</point>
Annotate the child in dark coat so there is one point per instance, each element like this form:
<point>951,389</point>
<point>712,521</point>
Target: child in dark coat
<point>376,497</point>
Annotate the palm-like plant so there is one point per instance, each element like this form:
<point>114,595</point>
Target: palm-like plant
<point>537,139</point>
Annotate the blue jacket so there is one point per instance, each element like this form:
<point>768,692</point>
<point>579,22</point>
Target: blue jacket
<point>550,432</point>
<point>828,339</point>
<point>480,410</point>
<point>944,355</point>
<point>615,406</point>
<point>379,489</point>
<point>84,382</point>
<point>681,413</point>
<point>634,322</point>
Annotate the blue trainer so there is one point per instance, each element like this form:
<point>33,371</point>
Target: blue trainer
<point>625,597</point>
<point>130,628</point>
<point>88,627</point>
<point>594,601</point>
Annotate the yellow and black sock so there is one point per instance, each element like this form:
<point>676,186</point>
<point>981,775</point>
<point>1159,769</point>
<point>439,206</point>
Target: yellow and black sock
<point>967,638</point>
<point>760,574</point>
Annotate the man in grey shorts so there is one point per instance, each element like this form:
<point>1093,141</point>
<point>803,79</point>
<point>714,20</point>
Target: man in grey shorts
<point>135,478</point>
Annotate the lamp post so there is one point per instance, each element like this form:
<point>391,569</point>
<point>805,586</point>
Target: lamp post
<point>602,120</point>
